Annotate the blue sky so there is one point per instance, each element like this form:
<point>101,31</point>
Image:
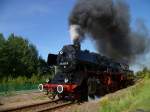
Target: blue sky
<point>45,22</point>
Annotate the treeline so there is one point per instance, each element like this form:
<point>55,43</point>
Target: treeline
<point>19,57</point>
<point>143,73</point>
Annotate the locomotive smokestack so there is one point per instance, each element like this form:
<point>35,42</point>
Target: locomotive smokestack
<point>76,43</point>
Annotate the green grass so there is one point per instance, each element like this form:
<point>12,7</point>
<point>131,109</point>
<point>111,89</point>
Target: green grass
<point>128,100</point>
<point>10,85</point>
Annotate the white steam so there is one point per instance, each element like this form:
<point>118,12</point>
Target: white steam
<point>75,32</point>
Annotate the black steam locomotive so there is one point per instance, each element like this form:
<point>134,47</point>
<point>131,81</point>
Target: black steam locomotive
<point>81,74</point>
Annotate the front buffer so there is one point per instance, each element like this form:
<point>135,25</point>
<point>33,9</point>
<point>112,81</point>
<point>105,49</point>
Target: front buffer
<point>62,91</point>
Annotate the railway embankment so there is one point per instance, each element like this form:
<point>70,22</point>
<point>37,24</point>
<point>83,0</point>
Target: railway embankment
<point>135,98</point>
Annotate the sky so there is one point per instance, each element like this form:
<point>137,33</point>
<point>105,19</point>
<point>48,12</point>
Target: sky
<point>45,22</point>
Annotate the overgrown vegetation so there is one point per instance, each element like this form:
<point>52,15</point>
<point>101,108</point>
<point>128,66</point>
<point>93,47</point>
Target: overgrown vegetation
<point>21,67</point>
<point>130,99</point>
<point>20,83</point>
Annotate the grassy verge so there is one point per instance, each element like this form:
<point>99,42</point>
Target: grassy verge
<point>131,99</point>
<point>10,85</point>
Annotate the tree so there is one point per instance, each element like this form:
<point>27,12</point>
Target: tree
<point>18,57</point>
<point>2,42</point>
<point>43,67</point>
<point>2,39</point>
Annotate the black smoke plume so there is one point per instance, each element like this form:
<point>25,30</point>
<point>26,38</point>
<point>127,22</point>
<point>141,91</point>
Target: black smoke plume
<point>107,22</point>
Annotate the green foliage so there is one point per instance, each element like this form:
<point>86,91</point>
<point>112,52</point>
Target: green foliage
<point>131,99</point>
<point>19,57</point>
<point>2,40</point>
<point>21,67</point>
<point>144,73</point>
<point>8,85</point>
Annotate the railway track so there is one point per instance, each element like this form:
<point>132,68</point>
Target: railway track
<point>49,109</point>
<point>39,107</point>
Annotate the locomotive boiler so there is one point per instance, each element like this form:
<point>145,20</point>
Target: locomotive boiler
<point>80,74</point>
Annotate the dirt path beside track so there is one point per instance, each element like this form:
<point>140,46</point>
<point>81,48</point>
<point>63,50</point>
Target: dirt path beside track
<point>22,98</point>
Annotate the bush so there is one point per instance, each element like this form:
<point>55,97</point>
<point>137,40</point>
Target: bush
<point>21,83</point>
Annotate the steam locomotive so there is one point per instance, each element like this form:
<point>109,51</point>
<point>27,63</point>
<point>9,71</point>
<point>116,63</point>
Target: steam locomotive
<point>81,74</point>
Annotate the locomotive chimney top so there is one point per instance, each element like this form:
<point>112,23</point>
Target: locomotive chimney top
<point>76,43</point>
